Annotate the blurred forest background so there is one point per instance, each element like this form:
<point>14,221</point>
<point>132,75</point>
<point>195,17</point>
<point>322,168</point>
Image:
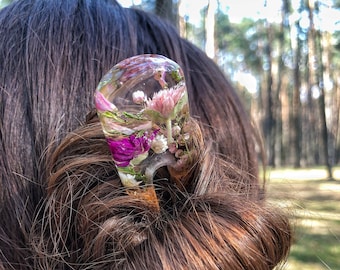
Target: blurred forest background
<point>284,61</point>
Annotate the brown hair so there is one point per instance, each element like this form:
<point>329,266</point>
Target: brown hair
<point>52,56</point>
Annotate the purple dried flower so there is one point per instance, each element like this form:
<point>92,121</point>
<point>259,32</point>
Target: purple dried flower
<point>126,149</point>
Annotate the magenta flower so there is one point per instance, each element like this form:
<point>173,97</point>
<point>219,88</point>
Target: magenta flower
<point>126,149</point>
<point>165,101</point>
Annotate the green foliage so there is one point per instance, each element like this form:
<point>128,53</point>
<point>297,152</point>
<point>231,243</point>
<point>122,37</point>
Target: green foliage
<point>243,42</point>
<point>4,3</point>
<point>337,4</point>
<point>336,52</point>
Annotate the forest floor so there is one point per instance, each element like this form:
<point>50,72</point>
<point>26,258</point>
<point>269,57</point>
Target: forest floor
<point>314,206</point>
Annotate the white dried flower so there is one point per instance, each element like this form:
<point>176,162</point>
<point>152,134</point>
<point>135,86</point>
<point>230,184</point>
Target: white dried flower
<point>138,97</point>
<point>128,180</point>
<point>176,130</point>
<point>159,144</point>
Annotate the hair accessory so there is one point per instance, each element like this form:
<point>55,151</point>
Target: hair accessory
<point>143,107</point>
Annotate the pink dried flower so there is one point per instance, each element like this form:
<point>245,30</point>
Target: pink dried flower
<point>102,104</point>
<point>165,101</point>
<point>172,148</point>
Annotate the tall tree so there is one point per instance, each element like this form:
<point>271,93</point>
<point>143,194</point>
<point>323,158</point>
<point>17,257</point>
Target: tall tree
<point>317,36</point>
<point>316,69</point>
<point>334,60</point>
<point>210,47</point>
<point>283,50</point>
<point>269,121</point>
<point>296,110</point>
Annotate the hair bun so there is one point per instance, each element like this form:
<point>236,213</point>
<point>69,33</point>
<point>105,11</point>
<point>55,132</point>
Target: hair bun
<point>91,219</point>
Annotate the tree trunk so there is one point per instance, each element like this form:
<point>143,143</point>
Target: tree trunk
<point>312,120</point>
<point>322,106</point>
<point>280,156</point>
<point>296,111</point>
<point>269,121</point>
<point>315,37</point>
<point>210,47</point>
<point>336,90</point>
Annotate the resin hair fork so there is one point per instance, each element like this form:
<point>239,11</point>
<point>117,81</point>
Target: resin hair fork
<point>142,103</point>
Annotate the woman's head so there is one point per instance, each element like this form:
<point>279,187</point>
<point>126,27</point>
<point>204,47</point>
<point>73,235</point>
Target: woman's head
<point>52,56</point>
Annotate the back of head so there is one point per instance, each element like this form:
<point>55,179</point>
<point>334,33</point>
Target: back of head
<point>62,204</point>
